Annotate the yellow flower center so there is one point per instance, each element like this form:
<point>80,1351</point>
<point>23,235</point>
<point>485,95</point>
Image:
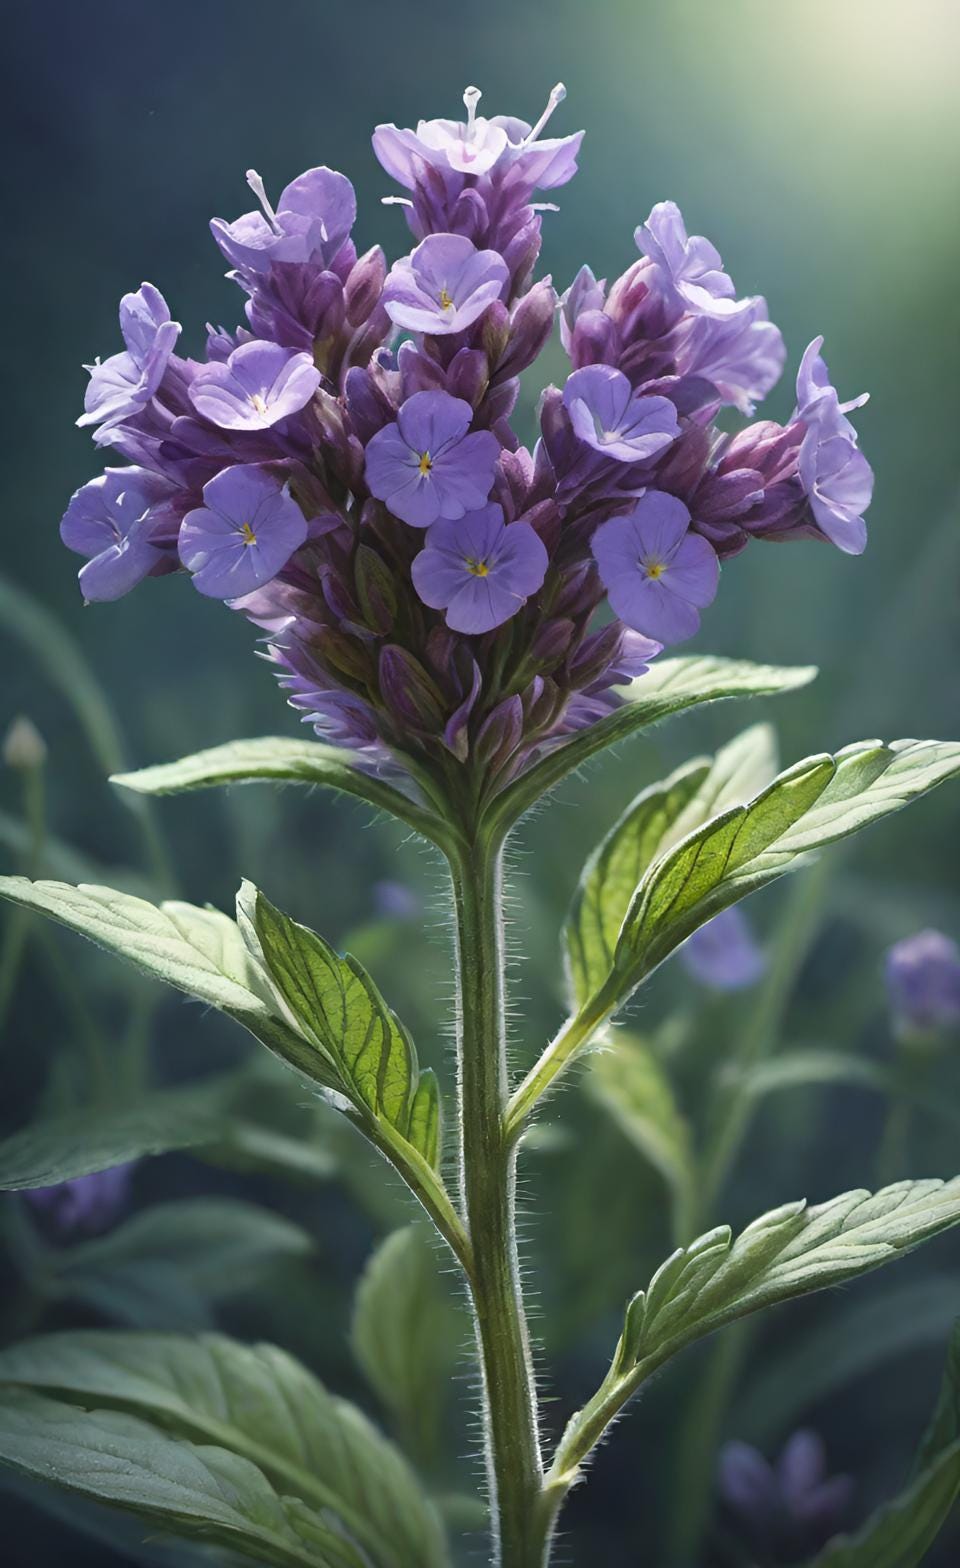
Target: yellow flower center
<point>477,568</point>
<point>259,403</point>
<point>426,463</point>
<point>654,569</point>
<point>446,300</point>
<point>247,533</point>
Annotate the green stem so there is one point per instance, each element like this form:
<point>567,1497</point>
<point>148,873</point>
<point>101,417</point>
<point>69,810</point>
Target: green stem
<point>488,1190</point>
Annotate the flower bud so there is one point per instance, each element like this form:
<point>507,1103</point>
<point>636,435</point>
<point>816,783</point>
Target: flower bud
<point>376,590</point>
<point>470,215</point>
<point>456,734</point>
<point>346,655</point>
<point>530,327</point>
<point>584,294</point>
<point>593,340</point>
<point>364,285</point>
<point>366,405</point>
<point>468,375</point>
<point>551,642</point>
<point>923,984</point>
<point>24,747</point>
<point>408,691</point>
<point>500,733</point>
<point>495,331</point>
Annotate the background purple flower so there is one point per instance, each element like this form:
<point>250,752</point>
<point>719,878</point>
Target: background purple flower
<point>689,264</point>
<point>790,1509</point>
<point>444,286</point>
<point>814,387</point>
<point>85,1203</point>
<point>243,535</point>
<point>260,384</point>
<point>923,982</point>
<point>125,383</point>
<point>724,954</point>
<point>118,521</point>
<point>657,574</point>
<point>426,466</point>
<point>479,569</point>
<point>837,481</point>
<point>609,416</point>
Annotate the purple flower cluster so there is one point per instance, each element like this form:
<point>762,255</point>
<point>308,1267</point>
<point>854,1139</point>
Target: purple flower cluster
<point>923,983</point>
<point>342,468</point>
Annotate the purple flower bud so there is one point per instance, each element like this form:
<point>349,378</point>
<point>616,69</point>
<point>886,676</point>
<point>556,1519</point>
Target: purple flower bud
<point>499,735</point>
<point>364,285</point>
<point>376,590</point>
<point>468,375</point>
<point>530,328</point>
<point>790,1510</point>
<point>593,340</point>
<point>412,697</point>
<point>584,294</point>
<point>923,983</point>
<point>550,643</point>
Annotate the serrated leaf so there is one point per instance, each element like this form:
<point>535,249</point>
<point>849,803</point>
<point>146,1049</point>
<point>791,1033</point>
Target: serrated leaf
<point>657,819</point>
<point>242,1398</point>
<point>366,1054</point>
<point>899,1534</point>
<point>199,951</point>
<point>276,759</point>
<point>169,1262</point>
<point>789,1252</point>
<point>405,1335</point>
<point>630,1082</point>
<point>203,1493</point>
<point>669,687</point>
<point>745,848</point>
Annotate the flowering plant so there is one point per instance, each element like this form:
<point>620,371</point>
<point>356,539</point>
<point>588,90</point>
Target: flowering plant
<point>463,622</point>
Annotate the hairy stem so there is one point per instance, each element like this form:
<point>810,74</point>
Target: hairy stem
<point>488,1181</point>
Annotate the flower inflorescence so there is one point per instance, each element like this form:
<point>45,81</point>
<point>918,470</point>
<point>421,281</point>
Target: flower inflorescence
<point>343,471</point>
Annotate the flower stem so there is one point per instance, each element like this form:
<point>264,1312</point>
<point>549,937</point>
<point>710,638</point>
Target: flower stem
<point>488,1161</point>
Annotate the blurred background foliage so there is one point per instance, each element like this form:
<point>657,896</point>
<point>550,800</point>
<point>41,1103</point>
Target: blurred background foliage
<point>817,146</point>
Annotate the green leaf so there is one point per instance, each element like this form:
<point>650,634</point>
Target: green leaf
<point>406,1335</point>
<point>746,847</point>
<point>362,1051</point>
<point>899,1534</point>
<point>630,1082</point>
<point>200,951</point>
<point>240,1398</point>
<point>206,1494</point>
<point>807,1067</point>
<point>277,759</point>
<point>669,687</point>
<point>659,817</point>
<point>60,1148</point>
<point>789,1252</point>
<point>173,1259</point>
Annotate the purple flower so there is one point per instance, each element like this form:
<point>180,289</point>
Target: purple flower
<point>243,535</point>
<point>120,521</point>
<point>743,354</point>
<point>657,574</point>
<point>788,1510</point>
<point>125,383</point>
<point>479,147</point>
<point>426,466</point>
<point>257,386</point>
<point>584,294</point>
<point>85,1203</point>
<point>923,982</point>
<point>836,477</point>
<point>480,570</point>
<point>616,421</point>
<point>723,954</point>
<point>690,266</point>
<point>444,286</point>
<point>314,216</point>
<point>816,395</point>
<point>396,901</point>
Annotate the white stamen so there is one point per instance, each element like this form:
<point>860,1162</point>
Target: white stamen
<point>471,98</point>
<point>556,96</point>
<point>544,206</point>
<point>259,190</point>
<point>395,201</point>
